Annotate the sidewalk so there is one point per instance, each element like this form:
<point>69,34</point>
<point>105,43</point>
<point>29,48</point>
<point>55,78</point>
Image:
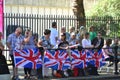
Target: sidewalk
<point>103,76</point>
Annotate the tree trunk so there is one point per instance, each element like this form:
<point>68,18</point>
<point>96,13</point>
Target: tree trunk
<point>79,12</point>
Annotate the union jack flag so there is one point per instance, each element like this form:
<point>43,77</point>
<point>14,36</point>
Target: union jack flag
<point>96,59</point>
<point>57,60</point>
<point>78,58</point>
<point>28,58</point>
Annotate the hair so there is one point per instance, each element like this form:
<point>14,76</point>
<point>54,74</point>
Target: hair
<point>63,34</point>
<point>99,32</point>
<point>108,42</point>
<point>47,31</point>
<point>54,24</point>
<point>86,34</point>
<point>91,27</point>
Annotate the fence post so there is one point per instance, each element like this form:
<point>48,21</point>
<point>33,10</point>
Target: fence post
<point>116,60</point>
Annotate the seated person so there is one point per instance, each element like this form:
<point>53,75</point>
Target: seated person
<point>108,54</point>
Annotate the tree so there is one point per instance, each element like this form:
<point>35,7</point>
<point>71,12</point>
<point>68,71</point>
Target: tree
<point>106,14</point>
<point>106,8</point>
<point>79,12</point>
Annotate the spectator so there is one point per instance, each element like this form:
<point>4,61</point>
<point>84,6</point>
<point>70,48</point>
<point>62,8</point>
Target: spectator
<point>29,43</point>
<point>44,42</point>
<point>92,33</point>
<point>72,29</point>
<point>15,41</point>
<point>109,56</point>
<point>3,65</point>
<point>98,41</point>
<point>63,30</point>
<point>54,34</point>
<point>73,41</point>
<point>62,44</point>
<point>86,42</point>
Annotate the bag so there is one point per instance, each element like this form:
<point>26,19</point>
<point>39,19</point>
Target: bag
<point>3,65</point>
<point>91,70</point>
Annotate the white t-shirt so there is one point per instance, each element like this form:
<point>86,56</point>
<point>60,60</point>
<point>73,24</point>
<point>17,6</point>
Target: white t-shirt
<point>86,43</point>
<point>54,34</point>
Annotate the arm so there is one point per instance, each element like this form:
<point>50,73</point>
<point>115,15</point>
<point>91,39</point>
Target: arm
<point>9,41</point>
<point>1,46</point>
<point>26,39</point>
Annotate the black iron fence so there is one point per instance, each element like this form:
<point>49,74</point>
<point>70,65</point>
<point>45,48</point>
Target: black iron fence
<point>109,26</point>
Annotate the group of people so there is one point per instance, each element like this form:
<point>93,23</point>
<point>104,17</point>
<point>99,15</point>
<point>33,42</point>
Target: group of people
<point>50,40</point>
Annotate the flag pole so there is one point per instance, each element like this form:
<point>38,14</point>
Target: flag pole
<point>43,65</point>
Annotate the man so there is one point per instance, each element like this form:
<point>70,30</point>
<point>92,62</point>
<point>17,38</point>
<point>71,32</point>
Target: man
<point>98,41</point>
<point>54,34</point>
<point>15,41</point>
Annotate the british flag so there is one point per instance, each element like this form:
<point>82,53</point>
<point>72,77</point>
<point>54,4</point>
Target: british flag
<point>57,59</point>
<point>78,58</point>
<point>96,59</point>
<point>28,58</point>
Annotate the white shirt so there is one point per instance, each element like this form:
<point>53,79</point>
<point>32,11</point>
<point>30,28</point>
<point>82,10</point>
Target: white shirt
<point>54,34</point>
<point>86,43</point>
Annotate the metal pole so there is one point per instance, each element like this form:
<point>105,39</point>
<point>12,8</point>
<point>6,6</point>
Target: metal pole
<point>116,60</point>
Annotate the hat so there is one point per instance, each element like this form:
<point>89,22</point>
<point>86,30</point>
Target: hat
<point>73,34</point>
<point>81,27</point>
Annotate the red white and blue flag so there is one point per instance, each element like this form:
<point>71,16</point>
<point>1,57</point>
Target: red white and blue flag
<point>85,58</point>
<point>28,58</point>
<point>97,59</point>
<point>78,58</point>
<point>57,59</point>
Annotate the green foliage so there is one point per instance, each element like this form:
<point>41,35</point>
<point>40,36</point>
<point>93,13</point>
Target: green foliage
<point>105,8</point>
<point>106,17</point>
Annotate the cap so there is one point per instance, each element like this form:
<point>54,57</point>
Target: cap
<point>73,34</point>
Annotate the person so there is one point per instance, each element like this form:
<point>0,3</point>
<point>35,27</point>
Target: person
<point>72,29</point>
<point>44,42</point>
<point>107,52</point>
<point>62,44</point>
<point>15,41</point>
<point>63,30</point>
<point>98,41</point>
<point>29,43</point>
<point>92,33</point>
<point>116,43</point>
<point>86,42</point>
<point>54,34</point>
<point>3,65</point>
<point>73,39</point>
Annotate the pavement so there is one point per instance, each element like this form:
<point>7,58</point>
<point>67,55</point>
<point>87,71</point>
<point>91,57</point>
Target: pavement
<point>105,73</point>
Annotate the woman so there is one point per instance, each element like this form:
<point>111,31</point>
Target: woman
<point>108,53</point>
<point>98,41</point>
<point>29,43</point>
<point>44,43</point>
<point>62,44</point>
<point>92,33</point>
<point>86,42</point>
<point>3,65</point>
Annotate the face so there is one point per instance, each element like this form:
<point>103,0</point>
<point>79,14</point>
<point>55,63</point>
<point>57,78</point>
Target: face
<point>116,41</point>
<point>48,35</point>
<point>73,36</point>
<point>62,37</point>
<point>99,35</point>
<point>18,32</point>
<point>63,30</point>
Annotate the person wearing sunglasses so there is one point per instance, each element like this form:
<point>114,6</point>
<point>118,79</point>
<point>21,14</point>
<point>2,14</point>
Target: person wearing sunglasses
<point>15,41</point>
